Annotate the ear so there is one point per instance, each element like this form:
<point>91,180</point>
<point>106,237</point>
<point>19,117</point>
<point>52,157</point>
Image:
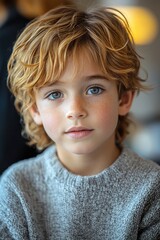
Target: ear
<point>125,102</point>
<point>35,114</point>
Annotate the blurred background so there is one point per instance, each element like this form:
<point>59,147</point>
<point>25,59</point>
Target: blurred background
<point>144,19</point>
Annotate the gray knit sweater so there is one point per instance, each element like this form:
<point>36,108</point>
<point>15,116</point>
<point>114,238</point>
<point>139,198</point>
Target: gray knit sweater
<point>40,200</point>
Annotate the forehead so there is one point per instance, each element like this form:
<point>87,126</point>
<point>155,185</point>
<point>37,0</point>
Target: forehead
<point>81,63</point>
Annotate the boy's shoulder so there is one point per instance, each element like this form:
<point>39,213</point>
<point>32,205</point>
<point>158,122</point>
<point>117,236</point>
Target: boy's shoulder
<point>136,168</point>
<point>135,160</point>
<point>27,167</point>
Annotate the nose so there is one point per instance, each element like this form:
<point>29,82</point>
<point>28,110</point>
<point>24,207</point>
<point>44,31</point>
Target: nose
<point>76,109</point>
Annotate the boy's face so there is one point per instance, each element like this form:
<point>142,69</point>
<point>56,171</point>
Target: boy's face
<point>79,112</point>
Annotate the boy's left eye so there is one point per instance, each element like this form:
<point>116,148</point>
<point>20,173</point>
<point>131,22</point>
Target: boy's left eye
<point>94,90</point>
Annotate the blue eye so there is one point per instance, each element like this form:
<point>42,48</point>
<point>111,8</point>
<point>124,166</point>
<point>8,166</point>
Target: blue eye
<point>54,95</point>
<point>94,90</point>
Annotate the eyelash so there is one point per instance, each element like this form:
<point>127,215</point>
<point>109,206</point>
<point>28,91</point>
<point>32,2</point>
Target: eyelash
<point>100,90</point>
<point>60,94</point>
<point>49,96</point>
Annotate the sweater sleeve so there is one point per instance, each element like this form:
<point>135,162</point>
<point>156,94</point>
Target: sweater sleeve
<point>12,215</point>
<point>150,223</point>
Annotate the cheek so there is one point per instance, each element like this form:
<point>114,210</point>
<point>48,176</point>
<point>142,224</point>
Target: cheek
<point>107,115</point>
<point>51,124</point>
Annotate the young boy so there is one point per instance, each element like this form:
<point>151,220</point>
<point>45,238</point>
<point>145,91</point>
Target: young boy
<point>74,75</point>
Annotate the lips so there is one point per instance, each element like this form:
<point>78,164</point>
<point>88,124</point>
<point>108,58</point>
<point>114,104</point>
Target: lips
<point>78,132</point>
<point>77,129</point>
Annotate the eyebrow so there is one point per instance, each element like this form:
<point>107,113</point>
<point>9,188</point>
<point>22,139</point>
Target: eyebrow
<point>93,77</point>
<point>89,78</point>
<point>86,78</point>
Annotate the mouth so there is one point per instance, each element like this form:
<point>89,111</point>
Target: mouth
<point>78,132</point>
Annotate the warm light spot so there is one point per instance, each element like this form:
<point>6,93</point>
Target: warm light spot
<point>143,24</point>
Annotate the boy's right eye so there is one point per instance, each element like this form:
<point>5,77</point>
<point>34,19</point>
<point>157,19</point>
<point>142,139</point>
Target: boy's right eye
<point>54,95</point>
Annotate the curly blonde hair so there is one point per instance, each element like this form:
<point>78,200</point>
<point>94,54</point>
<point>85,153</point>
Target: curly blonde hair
<point>41,52</point>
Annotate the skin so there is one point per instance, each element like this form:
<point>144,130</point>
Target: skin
<point>85,99</point>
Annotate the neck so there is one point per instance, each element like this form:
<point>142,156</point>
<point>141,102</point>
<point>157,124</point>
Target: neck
<point>90,164</point>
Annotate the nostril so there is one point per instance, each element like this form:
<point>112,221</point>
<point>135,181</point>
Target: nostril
<point>76,115</point>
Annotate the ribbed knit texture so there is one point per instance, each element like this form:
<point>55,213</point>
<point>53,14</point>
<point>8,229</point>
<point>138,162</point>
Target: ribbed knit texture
<point>40,200</point>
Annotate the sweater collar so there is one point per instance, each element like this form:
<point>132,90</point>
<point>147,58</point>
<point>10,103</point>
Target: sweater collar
<point>55,170</point>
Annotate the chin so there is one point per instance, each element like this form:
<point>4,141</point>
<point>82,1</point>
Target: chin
<point>82,150</point>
